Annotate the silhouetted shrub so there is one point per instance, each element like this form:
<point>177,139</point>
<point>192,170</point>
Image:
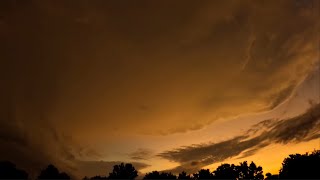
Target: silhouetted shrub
<point>271,176</point>
<point>9,171</point>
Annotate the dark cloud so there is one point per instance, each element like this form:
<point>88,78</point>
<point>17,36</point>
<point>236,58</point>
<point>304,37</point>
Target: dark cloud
<point>72,61</point>
<point>33,147</point>
<point>281,96</point>
<point>12,133</point>
<point>302,128</point>
<point>141,154</point>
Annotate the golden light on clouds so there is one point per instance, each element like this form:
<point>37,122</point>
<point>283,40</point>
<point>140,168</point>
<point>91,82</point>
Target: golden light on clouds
<point>115,80</point>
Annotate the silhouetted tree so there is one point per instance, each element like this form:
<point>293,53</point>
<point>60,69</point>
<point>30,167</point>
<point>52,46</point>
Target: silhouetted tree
<point>123,171</point>
<point>165,175</point>
<point>99,177</point>
<point>183,175</point>
<point>152,175</point>
<point>64,175</point>
<point>158,175</point>
<point>203,174</point>
<point>305,166</point>
<point>226,171</point>
<point>242,171</point>
<point>51,172</point>
<point>270,176</point>
<point>255,172</point>
<point>249,172</point>
<point>9,171</point>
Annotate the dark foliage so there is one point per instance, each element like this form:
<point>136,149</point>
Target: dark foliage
<point>9,171</point>
<point>226,171</point>
<point>184,175</point>
<point>272,176</point>
<point>99,177</point>
<point>249,172</point>
<point>51,172</point>
<point>203,174</point>
<point>158,175</point>
<point>123,171</point>
<point>152,175</point>
<point>297,166</point>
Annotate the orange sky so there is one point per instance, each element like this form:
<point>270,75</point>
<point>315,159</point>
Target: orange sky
<point>175,85</point>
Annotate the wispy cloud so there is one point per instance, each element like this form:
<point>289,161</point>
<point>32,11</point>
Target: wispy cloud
<point>304,127</point>
<point>141,154</point>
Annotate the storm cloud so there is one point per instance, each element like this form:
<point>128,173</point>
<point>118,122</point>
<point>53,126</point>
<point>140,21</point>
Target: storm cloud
<point>79,79</point>
<point>97,60</point>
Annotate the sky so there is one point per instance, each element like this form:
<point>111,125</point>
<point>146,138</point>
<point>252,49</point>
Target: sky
<point>165,85</point>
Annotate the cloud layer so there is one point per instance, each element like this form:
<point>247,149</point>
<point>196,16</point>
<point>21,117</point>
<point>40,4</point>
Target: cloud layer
<point>186,67</point>
<point>298,129</point>
<point>91,73</point>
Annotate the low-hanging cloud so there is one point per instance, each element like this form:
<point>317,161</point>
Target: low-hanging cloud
<point>302,128</point>
<point>141,154</point>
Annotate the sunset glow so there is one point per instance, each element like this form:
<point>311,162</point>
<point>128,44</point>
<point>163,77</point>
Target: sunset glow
<point>165,85</point>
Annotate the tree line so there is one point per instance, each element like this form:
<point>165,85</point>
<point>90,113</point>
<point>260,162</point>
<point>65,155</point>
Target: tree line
<point>295,166</point>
